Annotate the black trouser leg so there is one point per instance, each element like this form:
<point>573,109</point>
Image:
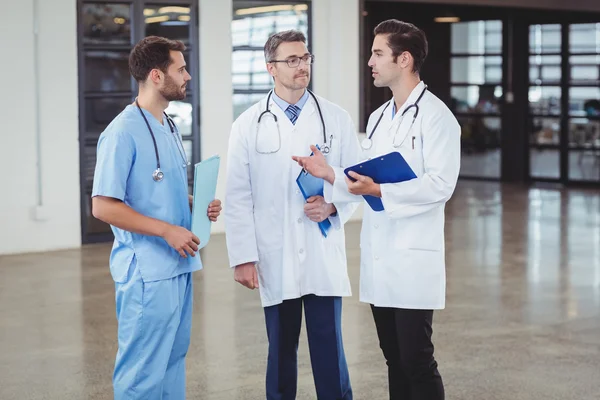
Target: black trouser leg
<point>405,339</point>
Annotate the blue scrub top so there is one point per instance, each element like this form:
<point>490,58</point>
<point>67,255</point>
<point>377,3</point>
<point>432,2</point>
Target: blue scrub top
<point>125,162</point>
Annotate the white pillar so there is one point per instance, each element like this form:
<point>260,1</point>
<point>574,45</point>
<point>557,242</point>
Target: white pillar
<point>216,93</point>
<point>335,43</point>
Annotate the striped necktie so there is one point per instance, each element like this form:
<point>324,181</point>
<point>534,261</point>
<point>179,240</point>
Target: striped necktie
<point>292,112</point>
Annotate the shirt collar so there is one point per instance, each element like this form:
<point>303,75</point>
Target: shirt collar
<point>284,104</point>
<point>414,95</point>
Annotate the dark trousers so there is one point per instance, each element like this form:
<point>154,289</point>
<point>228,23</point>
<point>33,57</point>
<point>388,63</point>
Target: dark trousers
<point>405,339</point>
<point>324,331</point>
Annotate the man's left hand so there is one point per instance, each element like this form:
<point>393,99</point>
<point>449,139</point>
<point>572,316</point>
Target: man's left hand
<point>214,210</point>
<point>317,210</point>
<point>363,185</point>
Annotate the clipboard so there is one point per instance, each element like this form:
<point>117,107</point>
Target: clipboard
<point>206,173</point>
<point>311,186</point>
<point>388,168</point>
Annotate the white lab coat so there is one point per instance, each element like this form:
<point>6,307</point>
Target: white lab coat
<point>264,208</point>
<point>402,248</point>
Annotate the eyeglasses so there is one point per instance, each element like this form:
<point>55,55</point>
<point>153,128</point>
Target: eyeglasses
<point>294,62</point>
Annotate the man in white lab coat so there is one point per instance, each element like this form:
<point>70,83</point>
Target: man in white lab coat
<point>273,237</point>
<point>402,248</point>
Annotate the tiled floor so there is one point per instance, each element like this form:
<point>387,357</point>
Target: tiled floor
<point>522,318</point>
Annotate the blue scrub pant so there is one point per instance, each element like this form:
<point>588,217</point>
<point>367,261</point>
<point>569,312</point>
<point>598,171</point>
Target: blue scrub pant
<point>324,331</point>
<point>154,327</point>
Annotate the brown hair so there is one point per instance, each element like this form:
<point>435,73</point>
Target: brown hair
<point>150,53</point>
<point>404,36</point>
<point>282,37</point>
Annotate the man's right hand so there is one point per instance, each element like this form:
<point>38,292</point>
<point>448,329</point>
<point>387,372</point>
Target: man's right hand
<point>182,240</point>
<point>316,165</point>
<point>246,275</point>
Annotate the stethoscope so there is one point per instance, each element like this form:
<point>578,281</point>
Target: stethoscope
<point>367,143</point>
<point>325,148</point>
<point>158,175</point>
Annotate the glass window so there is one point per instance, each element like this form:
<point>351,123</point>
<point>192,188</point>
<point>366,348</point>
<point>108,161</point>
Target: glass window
<point>544,131</point>
<point>584,165</point>
<point>106,23</point>
<point>544,100</point>
<point>584,133</point>
<point>473,69</point>
<point>107,71</point>
<point>99,112</point>
<point>241,102</point>
<point>476,37</point>
<point>545,39</point>
<point>480,145</point>
<point>252,26</point>
<point>253,23</point>
<point>544,69</point>
<point>544,163</point>
<point>172,22</point>
<point>476,99</point>
<point>584,38</point>
<point>107,86</point>
<point>181,112</point>
<point>585,69</point>
<point>584,101</point>
<point>249,70</point>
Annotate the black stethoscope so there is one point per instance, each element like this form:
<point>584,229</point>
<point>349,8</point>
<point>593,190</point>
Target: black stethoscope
<point>367,143</point>
<point>158,175</point>
<point>325,149</point>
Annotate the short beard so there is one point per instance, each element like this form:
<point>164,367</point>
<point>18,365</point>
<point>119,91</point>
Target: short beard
<point>295,86</point>
<point>171,91</point>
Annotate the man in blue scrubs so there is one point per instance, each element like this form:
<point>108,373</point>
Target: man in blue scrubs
<point>148,208</point>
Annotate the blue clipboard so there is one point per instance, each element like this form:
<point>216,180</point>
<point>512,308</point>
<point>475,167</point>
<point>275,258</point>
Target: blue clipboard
<point>206,173</point>
<point>388,168</point>
<point>311,186</point>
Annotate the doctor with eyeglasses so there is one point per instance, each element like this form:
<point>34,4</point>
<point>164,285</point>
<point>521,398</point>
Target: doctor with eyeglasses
<point>273,237</point>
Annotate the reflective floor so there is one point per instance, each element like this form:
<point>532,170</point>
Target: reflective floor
<point>522,318</point>
<point>584,165</point>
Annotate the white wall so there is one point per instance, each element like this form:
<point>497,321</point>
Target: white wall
<point>59,223</point>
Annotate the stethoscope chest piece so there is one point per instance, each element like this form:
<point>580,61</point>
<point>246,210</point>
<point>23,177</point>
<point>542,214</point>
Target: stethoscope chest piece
<point>158,175</point>
<point>366,144</point>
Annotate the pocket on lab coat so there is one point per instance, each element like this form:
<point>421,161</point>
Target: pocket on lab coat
<point>412,151</point>
<point>269,230</point>
<point>420,232</point>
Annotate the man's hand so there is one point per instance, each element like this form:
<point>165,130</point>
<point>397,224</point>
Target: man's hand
<point>317,210</point>
<point>246,275</point>
<point>214,210</point>
<point>363,185</point>
<point>181,240</point>
<point>316,165</point>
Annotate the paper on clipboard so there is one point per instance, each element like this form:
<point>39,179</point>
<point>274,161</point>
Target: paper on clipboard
<point>206,173</point>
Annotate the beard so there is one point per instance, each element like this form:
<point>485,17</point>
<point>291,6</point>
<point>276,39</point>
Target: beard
<point>171,91</point>
<point>296,85</point>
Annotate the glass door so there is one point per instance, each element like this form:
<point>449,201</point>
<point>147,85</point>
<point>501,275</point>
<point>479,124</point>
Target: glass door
<point>476,92</point>
<point>107,33</point>
<point>545,94</point>
<point>564,102</point>
<point>584,103</point>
